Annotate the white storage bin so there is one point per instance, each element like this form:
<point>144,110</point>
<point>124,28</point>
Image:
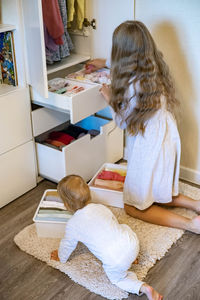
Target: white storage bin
<point>50,229</point>
<point>83,156</point>
<point>106,196</point>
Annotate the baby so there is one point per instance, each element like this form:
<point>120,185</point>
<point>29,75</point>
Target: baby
<point>114,244</point>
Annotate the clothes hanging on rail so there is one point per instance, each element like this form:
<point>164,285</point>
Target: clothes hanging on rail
<point>55,52</point>
<point>75,13</point>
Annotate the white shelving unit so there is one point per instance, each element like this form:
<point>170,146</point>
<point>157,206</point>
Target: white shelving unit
<point>17,152</point>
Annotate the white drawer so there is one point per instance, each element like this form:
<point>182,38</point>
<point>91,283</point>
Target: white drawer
<point>44,119</point>
<point>15,120</point>
<point>83,156</point>
<point>18,172</point>
<point>78,106</point>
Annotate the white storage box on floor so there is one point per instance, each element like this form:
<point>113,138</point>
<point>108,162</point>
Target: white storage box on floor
<point>53,226</point>
<point>104,195</point>
<point>50,225</point>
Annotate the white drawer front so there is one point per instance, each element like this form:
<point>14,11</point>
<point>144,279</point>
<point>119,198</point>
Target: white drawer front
<point>18,172</point>
<point>83,156</point>
<point>15,120</point>
<point>44,119</point>
<point>79,106</point>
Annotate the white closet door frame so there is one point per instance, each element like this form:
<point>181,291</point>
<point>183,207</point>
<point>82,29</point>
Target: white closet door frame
<point>108,15</point>
<point>35,47</point>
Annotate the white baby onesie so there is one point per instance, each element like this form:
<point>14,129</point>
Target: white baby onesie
<point>114,244</point>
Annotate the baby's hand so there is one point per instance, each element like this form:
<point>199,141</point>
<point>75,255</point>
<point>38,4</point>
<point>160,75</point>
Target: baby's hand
<point>105,91</point>
<point>54,255</point>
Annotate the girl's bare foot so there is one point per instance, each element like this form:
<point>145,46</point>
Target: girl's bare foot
<point>150,292</point>
<point>194,225</point>
<point>197,208</point>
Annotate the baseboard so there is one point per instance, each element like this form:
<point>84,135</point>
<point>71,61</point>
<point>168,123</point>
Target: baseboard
<point>190,175</point>
<point>185,173</point>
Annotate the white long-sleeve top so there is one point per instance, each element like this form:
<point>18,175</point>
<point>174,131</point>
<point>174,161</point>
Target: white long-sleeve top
<point>116,245</point>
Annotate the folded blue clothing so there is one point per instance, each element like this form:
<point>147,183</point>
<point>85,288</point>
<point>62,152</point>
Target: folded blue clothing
<point>62,216</point>
<point>64,220</point>
<point>54,211</point>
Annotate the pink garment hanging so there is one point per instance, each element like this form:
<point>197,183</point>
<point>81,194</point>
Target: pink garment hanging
<point>53,20</point>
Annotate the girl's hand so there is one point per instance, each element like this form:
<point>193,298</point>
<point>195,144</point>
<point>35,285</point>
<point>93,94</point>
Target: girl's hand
<point>94,65</point>
<point>54,255</point>
<point>106,92</point>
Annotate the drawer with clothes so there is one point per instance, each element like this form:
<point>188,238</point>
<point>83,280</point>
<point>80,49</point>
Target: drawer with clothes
<point>76,94</point>
<point>107,185</point>
<point>79,148</point>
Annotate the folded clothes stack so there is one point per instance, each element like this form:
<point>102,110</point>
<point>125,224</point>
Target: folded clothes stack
<point>62,86</point>
<point>53,209</point>
<point>100,76</point>
<point>59,139</point>
<point>111,179</point>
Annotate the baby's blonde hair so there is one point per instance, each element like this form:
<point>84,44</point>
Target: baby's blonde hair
<point>74,192</point>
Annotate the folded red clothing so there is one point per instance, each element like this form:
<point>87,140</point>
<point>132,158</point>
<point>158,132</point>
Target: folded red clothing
<point>61,137</point>
<point>110,175</point>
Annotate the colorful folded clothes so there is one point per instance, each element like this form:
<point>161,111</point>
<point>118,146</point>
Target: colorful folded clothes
<point>109,184</point>
<point>119,171</point>
<point>74,131</point>
<point>55,143</point>
<point>110,175</point>
<point>61,137</point>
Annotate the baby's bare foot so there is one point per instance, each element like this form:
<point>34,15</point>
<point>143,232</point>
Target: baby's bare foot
<point>150,292</point>
<point>194,225</point>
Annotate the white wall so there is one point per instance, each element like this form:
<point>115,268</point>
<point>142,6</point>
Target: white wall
<point>175,26</point>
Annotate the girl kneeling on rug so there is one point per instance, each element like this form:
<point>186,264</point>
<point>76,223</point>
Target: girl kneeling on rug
<point>114,244</point>
<point>143,102</point>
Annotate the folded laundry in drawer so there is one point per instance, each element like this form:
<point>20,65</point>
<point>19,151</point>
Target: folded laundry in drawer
<point>100,76</point>
<point>109,190</point>
<point>53,204</point>
<point>63,86</point>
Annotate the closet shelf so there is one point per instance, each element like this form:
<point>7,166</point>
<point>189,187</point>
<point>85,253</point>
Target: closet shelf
<point>6,27</point>
<point>67,62</point>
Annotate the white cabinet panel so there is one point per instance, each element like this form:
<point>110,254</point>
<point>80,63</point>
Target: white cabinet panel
<point>18,174</point>
<point>34,40</point>
<point>44,119</point>
<point>108,15</point>
<point>15,120</point>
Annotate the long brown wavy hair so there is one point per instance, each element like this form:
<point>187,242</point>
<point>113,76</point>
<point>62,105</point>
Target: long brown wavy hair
<point>136,60</point>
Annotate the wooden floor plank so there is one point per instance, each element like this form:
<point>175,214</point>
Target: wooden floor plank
<point>22,277</point>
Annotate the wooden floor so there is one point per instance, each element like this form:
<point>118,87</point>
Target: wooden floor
<point>176,276</point>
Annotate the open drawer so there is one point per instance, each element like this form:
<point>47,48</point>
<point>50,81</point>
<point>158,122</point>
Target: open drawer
<point>85,155</point>
<point>78,106</point>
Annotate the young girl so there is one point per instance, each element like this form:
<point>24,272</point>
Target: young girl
<point>116,245</point>
<point>142,100</point>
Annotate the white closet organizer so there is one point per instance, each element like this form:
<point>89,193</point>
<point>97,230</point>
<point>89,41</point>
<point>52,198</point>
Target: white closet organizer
<point>17,153</point>
<point>85,155</point>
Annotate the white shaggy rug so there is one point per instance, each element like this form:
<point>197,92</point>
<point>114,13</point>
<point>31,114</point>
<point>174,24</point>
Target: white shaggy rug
<point>86,270</point>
